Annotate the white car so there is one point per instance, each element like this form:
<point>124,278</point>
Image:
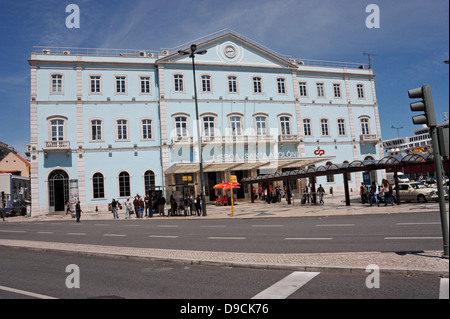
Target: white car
<point>411,192</point>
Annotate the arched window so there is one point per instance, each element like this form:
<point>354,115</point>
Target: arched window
<point>124,184</point>
<point>98,185</point>
<point>149,180</point>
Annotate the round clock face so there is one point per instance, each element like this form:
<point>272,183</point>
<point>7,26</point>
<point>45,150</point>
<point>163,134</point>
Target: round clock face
<point>230,51</point>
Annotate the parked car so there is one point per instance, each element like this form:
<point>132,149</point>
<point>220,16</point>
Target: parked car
<point>410,192</point>
<point>13,211</point>
<point>402,178</point>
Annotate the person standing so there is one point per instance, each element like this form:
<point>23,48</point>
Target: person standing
<point>128,208</point>
<point>161,203</point>
<point>363,192</point>
<point>198,205</point>
<point>114,209</point>
<point>387,189</point>
<point>148,205</point>
<point>374,194</point>
<point>321,192</point>
<point>78,211</point>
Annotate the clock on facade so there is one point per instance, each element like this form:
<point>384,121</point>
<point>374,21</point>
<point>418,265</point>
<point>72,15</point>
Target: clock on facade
<point>230,51</point>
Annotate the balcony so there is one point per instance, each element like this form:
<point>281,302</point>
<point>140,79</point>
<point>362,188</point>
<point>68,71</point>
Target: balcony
<point>368,139</point>
<point>182,140</point>
<point>56,146</point>
<point>211,140</point>
<point>289,139</point>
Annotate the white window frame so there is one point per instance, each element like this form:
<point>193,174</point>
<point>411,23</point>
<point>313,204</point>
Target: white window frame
<point>285,122</point>
<point>57,88</point>
<point>337,90</point>
<point>341,123</point>
<point>120,80</point>
<point>97,125</point>
<point>120,195</point>
<point>179,130</point>
<point>320,88</point>
<point>261,124</point>
<point>143,80</point>
<point>303,86</point>
<point>281,86</point>
<point>364,124</point>
<point>209,124</point>
<point>119,126</point>
<point>104,186</point>
<point>257,85</point>
<point>97,78</point>
<point>232,84</point>
<point>232,119</point>
<point>206,83</point>
<point>324,126</point>
<point>360,91</point>
<point>307,125</point>
<point>61,128</point>
<point>143,129</point>
<point>178,83</point>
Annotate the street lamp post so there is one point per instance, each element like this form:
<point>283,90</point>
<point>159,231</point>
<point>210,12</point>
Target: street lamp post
<point>398,129</point>
<point>192,52</point>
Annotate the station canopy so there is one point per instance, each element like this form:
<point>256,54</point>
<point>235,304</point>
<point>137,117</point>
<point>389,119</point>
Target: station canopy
<point>218,166</point>
<point>389,162</point>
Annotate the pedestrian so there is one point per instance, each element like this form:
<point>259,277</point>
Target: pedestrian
<point>187,206</point>
<point>128,208</point>
<point>141,207</point>
<point>198,205</point>
<point>148,206</point>
<point>136,205</point>
<point>68,207</point>
<point>374,194</point>
<point>78,211</point>
<point>321,192</point>
<point>161,203</point>
<point>363,192</point>
<point>114,209</point>
<point>387,189</point>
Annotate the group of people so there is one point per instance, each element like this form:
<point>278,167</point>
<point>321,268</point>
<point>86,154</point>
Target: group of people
<point>373,194</point>
<point>309,192</point>
<point>187,206</point>
<point>271,194</point>
<point>148,205</point>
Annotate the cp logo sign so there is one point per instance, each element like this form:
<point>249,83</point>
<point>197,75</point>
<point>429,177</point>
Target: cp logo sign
<point>319,152</point>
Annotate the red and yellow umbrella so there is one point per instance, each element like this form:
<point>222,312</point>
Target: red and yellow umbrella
<point>227,185</point>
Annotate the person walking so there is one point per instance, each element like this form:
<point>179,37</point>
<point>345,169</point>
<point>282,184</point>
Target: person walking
<point>114,209</point>
<point>136,205</point>
<point>198,205</point>
<point>387,189</point>
<point>321,192</point>
<point>374,194</point>
<point>78,211</point>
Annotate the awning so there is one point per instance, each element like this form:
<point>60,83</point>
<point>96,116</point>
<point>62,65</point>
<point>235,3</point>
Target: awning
<point>189,168</point>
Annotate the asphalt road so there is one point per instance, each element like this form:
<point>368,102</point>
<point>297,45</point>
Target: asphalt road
<point>364,233</point>
<point>36,275</point>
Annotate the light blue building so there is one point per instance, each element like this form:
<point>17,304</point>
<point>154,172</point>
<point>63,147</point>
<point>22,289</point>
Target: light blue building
<point>115,123</point>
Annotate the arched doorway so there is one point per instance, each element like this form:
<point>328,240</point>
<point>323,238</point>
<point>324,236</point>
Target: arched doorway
<point>58,190</point>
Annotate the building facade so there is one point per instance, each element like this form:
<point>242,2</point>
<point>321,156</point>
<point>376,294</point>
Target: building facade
<point>112,124</point>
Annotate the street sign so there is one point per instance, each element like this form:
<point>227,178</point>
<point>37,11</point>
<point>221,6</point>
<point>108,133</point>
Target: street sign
<point>233,179</point>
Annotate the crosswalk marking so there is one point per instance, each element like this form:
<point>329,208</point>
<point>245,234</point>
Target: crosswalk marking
<point>443,290</point>
<point>286,286</point>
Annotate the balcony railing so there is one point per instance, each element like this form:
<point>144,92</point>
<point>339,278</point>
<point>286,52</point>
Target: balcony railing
<point>57,145</point>
<point>368,139</point>
<point>289,138</point>
<point>182,140</point>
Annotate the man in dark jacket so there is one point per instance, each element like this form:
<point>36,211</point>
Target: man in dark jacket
<point>78,211</point>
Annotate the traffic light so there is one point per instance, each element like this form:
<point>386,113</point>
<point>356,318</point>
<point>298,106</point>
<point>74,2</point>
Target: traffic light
<point>426,105</point>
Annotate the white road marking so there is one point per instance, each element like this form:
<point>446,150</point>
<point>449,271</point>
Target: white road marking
<point>410,238</point>
<point>335,225</point>
<point>174,226</point>
<point>423,223</point>
<point>26,293</point>
<point>443,289</point>
<point>45,232</point>
<point>162,236</point>
<point>77,234</point>
<point>232,238</point>
<point>13,231</point>
<point>267,225</point>
<point>213,226</point>
<point>318,238</point>
<point>286,286</point>
<point>114,235</point>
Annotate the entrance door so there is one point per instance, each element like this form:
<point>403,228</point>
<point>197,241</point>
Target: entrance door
<point>58,190</point>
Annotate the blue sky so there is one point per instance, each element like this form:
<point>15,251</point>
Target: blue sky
<point>410,45</point>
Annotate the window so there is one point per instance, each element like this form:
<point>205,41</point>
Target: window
<point>146,129</point>
<point>261,125</point>
<point>330,177</point>
<point>206,83</point>
<point>285,124</point>
<point>307,127</point>
<point>232,84</point>
<point>121,85</point>
<point>302,89</point>
<point>145,85</point>
<point>281,85</point>
<point>122,131</point>
<point>96,130</point>
<point>124,185</point>
<point>235,122</point>
<point>178,83</point>
<point>56,84</point>
<point>324,127</point>
<point>57,130</point>
<point>341,127</point>
<point>337,90</point>
<point>365,126</point>
<point>320,90</point>
<point>208,125</point>
<point>181,125</point>
<point>360,89</point>
<point>257,84</point>
<point>98,185</point>
<point>95,84</point>
<point>149,180</point>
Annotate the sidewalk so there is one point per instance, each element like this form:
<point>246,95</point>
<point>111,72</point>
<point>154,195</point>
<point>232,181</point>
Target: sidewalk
<point>406,263</point>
